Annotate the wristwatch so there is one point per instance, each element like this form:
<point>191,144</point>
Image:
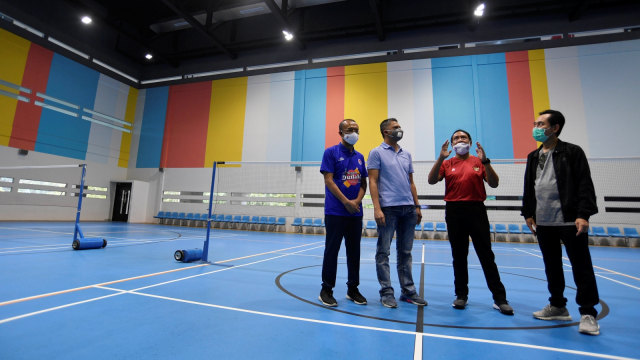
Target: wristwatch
<point>486,161</point>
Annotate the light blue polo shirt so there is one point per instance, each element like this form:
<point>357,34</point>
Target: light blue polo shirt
<point>394,187</point>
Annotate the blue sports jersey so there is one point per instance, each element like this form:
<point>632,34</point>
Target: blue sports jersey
<point>348,169</point>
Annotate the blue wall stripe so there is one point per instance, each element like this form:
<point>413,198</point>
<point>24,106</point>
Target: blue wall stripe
<point>298,115</point>
<point>494,120</point>
<point>152,131</point>
<point>453,98</point>
<point>61,134</point>
<point>314,115</point>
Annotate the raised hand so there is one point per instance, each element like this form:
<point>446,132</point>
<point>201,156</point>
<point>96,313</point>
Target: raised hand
<point>444,152</point>
<point>480,152</point>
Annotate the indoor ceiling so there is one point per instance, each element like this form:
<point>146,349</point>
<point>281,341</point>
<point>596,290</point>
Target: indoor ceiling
<point>189,37</point>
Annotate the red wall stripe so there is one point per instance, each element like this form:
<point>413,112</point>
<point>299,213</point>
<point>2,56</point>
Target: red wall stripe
<point>520,102</point>
<point>27,118</point>
<point>185,136</point>
<point>335,105</point>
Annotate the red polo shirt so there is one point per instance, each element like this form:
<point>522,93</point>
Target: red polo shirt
<point>464,179</point>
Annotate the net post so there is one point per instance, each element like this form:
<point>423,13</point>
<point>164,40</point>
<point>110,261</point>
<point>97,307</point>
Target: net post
<point>77,225</point>
<point>205,247</point>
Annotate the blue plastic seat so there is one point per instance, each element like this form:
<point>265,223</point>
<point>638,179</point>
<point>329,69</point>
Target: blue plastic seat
<point>297,223</point>
<point>281,221</point>
<point>514,229</point>
<point>631,233</point>
<point>525,229</point>
<point>371,225</point>
<point>599,231</point>
<point>160,215</point>
<point>318,223</point>
<point>428,226</point>
<point>418,227</point>
<point>441,226</point>
<point>614,231</point>
<point>245,219</point>
<point>501,229</point>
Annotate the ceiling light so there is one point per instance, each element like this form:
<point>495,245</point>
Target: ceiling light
<point>148,56</point>
<point>86,20</point>
<point>479,10</point>
<point>287,35</point>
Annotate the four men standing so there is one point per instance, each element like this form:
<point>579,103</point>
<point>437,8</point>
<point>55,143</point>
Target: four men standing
<point>559,198</point>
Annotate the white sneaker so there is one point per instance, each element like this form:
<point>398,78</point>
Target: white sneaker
<point>589,325</point>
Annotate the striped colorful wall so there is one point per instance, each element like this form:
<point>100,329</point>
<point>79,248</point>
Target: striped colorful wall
<point>26,125</point>
<point>293,116</point>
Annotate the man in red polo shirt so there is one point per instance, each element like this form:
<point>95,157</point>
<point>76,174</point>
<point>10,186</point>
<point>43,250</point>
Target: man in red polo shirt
<point>466,215</point>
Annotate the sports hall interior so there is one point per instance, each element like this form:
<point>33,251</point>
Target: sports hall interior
<point>173,125</point>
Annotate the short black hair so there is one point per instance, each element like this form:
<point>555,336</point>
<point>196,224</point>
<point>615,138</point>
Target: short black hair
<point>464,131</point>
<point>555,118</point>
<point>384,124</point>
<point>344,122</point>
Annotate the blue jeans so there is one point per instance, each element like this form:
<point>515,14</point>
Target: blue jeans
<point>402,221</point>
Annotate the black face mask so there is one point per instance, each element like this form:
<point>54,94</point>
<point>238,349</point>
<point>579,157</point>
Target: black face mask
<point>396,134</point>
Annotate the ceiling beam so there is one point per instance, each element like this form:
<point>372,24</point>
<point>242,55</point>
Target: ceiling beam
<point>377,13</point>
<point>198,26</point>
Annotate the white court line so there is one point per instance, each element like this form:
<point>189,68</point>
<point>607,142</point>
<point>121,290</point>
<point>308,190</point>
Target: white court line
<point>598,275</point>
<point>120,292</point>
<point>372,328</point>
<point>9,302</point>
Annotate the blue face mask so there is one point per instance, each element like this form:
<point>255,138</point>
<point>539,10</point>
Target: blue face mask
<point>538,134</point>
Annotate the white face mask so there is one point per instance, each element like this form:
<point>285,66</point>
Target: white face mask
<point>461,148</point>
<point>351,138</point>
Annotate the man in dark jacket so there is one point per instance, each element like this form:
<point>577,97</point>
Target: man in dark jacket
<point>558,200</point>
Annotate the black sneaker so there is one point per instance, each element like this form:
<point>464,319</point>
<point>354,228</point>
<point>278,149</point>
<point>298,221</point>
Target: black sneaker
<point>326,297</point>
<point>354,295</point>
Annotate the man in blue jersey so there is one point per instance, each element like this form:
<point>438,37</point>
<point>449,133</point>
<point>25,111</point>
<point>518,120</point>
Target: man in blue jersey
<point>345,179</point>
<point>396,210</point>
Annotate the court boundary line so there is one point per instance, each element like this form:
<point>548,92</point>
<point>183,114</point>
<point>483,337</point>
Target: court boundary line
<point>60,292</point>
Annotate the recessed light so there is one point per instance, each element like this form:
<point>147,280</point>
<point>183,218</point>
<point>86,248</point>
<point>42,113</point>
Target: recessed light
<point>148,56</point>
<point>479,10</point>
<point>287,35</point>
<point>86,20</point>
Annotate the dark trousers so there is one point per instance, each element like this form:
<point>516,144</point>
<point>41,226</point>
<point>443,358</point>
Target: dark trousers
<point>337,227</point>
<point>466,219</point>
<point>577,248</point>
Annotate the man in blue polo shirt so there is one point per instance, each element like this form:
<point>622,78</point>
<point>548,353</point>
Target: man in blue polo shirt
<point>345,179</point>
<point>396,210</point>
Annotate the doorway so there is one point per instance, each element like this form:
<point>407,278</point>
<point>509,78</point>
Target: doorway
<point>121,202</point>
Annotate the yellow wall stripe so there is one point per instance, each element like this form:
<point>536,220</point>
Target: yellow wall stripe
<point>13,59</point>
<point>226,120</point>
<point>129,116</point>
<point>539,88</point>
<point>365,100</point>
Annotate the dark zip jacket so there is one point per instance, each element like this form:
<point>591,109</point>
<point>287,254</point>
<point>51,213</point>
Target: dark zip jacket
<point>577,194</point>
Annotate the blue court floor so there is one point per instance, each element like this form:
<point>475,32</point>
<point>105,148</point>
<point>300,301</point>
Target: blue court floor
<point>257,299</point>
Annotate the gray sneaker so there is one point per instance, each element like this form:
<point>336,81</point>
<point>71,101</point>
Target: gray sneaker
<point>459,303</point>
<point>414,299</point>
<point>551,312</point>
<point>589,325</point>
<point>504,308</point>
<point>389,301</point>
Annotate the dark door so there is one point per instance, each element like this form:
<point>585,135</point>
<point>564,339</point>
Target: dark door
<point>121,202</point>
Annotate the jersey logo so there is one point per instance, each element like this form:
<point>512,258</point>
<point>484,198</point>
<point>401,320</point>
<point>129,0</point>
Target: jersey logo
<point>476,168</point>
<point>341,158</point>
<point>351,177</point>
